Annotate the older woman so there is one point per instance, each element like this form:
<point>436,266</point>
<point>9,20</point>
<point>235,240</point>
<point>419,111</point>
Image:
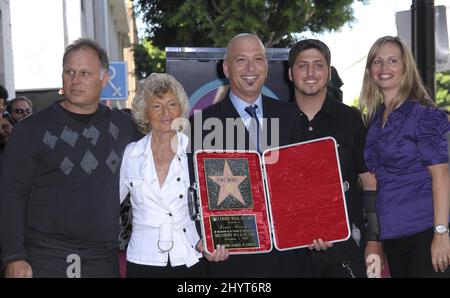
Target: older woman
<point>406,147</point>
<point>164,241</point>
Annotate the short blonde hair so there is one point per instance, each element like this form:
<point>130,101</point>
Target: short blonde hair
<point>156,85</point>
<point>411,85</point>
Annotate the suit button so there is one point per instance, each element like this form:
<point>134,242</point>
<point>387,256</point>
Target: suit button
<point>181,196</point>
<point>131,184</point>
<point>178,179</point>
<point>184,230</point>
<point>170,214</point>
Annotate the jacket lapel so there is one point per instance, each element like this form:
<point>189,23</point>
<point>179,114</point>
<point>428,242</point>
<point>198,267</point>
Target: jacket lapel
<point>229,111</point>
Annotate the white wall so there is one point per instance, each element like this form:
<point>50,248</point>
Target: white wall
<point>73,17</point>
<point>41,29</point>
<point>6,54</point>
<point>38,43</point>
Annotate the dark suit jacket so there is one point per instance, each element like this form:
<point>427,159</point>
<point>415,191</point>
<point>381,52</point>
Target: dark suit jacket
<point>292,263</point>
<point>285,113</point>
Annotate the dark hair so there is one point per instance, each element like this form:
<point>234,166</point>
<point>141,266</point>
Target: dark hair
<point>85,43</point>
<point>10,118</point>
<point>14,100</point>
<point>334,85</point>
<point>126,110</point>
<point>3,93</point>
<point>307,44</point>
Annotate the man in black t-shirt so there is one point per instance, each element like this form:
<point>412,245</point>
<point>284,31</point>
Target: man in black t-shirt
<point>322,116</point>
<point>59,193</point>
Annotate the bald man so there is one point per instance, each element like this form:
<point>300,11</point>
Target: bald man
<point>246,67</point>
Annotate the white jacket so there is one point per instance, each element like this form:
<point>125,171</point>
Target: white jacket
<point>161,222</point>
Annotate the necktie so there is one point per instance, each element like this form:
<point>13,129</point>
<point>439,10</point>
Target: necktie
<point>254,129</point>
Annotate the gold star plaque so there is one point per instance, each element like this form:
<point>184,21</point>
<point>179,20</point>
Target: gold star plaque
<point>228,183</point>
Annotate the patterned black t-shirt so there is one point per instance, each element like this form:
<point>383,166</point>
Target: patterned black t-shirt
<point>60,178</point>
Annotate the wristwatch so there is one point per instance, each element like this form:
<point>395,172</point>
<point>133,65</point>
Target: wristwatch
<point>441,229</point>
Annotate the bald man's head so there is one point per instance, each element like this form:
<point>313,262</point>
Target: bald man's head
<point>239,36</point>
<point>246,66</point>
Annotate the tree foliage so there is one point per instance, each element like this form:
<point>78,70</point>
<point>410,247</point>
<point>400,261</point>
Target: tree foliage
<point>148,59</point>
<point>443,90</point>
<point>213,22</point>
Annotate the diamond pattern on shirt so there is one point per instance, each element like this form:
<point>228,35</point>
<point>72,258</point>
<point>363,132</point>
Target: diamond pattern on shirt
<point>92,134</point>
<point>89,163</point>
<point>114,130</point>
<point>113,161</point>
<point>49,139</point>
<point>66,166</point>
<point>69,136</point>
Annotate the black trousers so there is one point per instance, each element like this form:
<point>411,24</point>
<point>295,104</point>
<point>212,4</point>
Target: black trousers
<point>275,264</point>
<point>51,258</point>
<point>145,271</point>
<point>343,260</point>
<point>410,256</point>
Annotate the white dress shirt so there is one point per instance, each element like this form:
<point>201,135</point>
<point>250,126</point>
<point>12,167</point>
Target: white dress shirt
<point>240,106</point>
<point>161,223</point>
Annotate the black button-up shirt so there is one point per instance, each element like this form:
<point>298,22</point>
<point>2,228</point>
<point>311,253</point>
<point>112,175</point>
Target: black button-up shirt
<point>345,125</point>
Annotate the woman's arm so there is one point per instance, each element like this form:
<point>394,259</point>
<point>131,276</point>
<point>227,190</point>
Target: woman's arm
<point>440,247</point>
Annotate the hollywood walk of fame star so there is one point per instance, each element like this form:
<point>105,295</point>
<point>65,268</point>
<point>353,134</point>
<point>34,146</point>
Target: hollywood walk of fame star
<point>228,185</point>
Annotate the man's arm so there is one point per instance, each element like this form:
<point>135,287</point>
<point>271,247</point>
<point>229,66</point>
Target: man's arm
<point>19,166</point>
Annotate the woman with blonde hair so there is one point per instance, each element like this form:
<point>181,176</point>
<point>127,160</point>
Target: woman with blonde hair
<point>164,240</point>
<point>406,148</point>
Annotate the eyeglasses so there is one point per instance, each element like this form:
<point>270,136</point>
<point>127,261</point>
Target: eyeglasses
<point>21,111</point>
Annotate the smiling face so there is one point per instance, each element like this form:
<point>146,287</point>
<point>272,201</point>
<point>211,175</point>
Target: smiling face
<point>387,69</point>
<point>162,111</point>
<point>310,73</point>
<point>83,81</point>
<point>246,67</point>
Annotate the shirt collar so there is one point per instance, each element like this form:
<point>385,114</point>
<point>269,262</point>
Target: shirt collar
<point>240,106</point>
<point>329,107</point>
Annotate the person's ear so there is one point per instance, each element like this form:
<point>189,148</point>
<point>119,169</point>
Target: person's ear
<point>105,79</point>
<point>225,68</point>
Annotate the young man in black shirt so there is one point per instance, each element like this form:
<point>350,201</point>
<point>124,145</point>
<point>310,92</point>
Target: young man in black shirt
<point>59,193</point>
<point>321,116</point>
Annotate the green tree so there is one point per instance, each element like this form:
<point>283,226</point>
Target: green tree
<point>213,22</point>
<point>443,90</point>
<point>148,59</point>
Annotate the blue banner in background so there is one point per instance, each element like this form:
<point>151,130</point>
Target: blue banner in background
<point>117,87</point>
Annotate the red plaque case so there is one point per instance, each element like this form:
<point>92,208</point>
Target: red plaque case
<point>299,185</point>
